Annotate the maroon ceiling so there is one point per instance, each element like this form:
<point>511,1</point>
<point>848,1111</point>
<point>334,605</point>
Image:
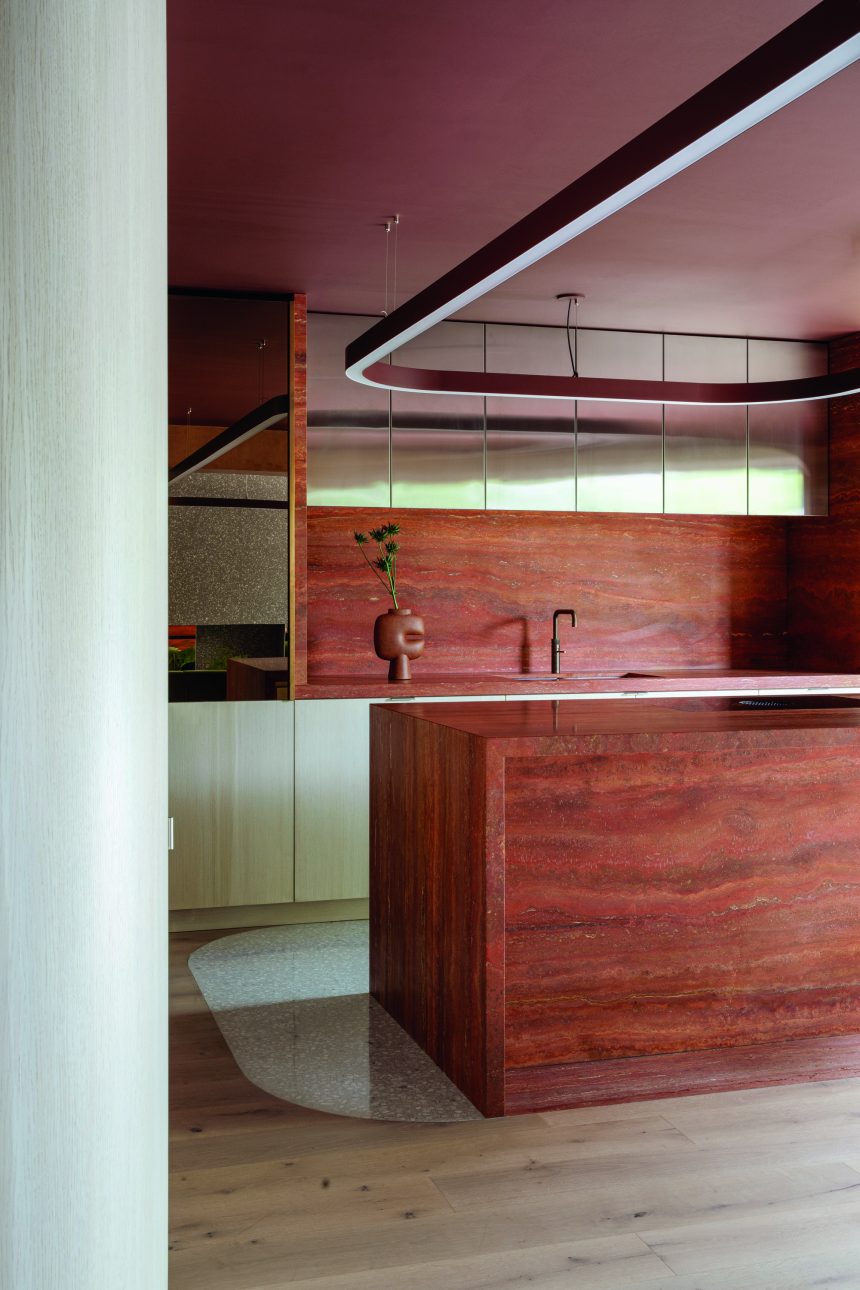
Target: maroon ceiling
<point>296,126</point>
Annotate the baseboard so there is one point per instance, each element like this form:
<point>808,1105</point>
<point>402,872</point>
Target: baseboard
<point>306,911</point>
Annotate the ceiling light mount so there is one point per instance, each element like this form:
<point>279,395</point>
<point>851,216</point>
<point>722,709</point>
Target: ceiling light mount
<point>389,223</point>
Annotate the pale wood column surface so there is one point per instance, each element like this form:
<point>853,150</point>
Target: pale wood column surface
<point>83,703</point>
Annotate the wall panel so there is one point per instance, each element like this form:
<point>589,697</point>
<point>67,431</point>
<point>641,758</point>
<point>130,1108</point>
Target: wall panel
<point>667,591</point>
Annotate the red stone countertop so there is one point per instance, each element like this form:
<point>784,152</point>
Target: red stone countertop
<point>511,720</point>
<point>634,681</point>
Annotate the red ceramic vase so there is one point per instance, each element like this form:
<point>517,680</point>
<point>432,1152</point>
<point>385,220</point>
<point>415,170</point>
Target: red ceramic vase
<point>398,636</point>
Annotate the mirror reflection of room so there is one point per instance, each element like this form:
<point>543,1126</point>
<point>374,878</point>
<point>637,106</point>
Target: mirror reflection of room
<point>229,515</point>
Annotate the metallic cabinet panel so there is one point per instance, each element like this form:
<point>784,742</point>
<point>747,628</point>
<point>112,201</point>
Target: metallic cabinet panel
<point>540,351</point>
<point>530,471</point>
<point>348,466</point>
<point>418,450</point>
<point>437,441</point>
<point>705,448</point>
<point>437,469</point>
<point>788,442</point>
<point>619,446</point>
<point>633,355</point>
<point>531,443</point>
<point>458,346</point>
<point>348,424</point>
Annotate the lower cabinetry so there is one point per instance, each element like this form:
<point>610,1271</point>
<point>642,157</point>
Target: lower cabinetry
<point>231,798</point>
<point>270,805</point>
<point>331,798</point>
<point>332,794</point>
<point>270,800</point>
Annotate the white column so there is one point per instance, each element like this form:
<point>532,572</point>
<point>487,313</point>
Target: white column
<point>82,645</point>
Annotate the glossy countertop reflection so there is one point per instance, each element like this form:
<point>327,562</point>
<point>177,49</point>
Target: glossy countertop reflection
<point>550,720</point>
<point>621,680</point>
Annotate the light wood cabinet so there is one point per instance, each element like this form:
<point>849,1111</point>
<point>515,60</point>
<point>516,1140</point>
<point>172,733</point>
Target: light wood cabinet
<point>332,743</point>
<point>231,798</point>
<point>270,801</point>
<point>332,794</point>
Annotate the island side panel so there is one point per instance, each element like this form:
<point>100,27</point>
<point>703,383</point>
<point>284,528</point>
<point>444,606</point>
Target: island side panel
<point>433,930</point>
<point>703,894</point>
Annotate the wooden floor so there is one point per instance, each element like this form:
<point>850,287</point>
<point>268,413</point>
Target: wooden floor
<point>758,1190</point>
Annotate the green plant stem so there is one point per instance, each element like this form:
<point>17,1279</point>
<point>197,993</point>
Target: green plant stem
<point>389,563</point>
<point>375,571</point>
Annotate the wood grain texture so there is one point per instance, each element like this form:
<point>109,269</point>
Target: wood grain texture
<point>331,799</point>
<point>83,787</point>
<point>824,601</point>
<point>331,795</point>
<point>228,916</point>
<point>231,769</point>
<point>751,1190</point>
<point>664,591</point>
<point>436,947</point>
<point>677,875</point>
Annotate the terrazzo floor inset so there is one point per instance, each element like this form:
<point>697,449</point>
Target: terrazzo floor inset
<point>293,1006</point>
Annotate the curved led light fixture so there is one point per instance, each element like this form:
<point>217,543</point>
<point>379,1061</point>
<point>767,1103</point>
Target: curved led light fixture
<point>821,43</point>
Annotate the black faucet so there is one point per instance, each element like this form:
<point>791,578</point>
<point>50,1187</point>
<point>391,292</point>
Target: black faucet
<point>557,651</point>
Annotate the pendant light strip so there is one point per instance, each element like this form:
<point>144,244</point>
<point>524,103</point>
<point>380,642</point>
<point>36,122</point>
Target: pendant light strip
<point>815,47</point>
<point>516,385</point>
<point>261,418</point>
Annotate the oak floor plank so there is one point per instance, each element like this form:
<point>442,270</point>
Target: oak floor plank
<point>751,1190</point>
<point>247,1248</point>
<point>836,1270</point>
<point>639,1197</point>
<point>600,1264</point>
<point>757,1104</point>
<point>803,1229</point>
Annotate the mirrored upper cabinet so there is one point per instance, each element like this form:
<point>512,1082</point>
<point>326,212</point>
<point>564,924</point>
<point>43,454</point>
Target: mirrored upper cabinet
<point>619,445</point>
<point>438,441</point>
<point>349,425</point>
<point>705,450</point>
<point>531,443</point>
<point>366,448</point>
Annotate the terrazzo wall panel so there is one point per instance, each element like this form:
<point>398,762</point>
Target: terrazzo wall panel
<point>229,564</point>
<point>824,555</point>
<point>217,642</point>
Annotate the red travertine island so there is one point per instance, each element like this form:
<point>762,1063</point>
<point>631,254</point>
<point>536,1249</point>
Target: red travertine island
<point>594,901</point>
